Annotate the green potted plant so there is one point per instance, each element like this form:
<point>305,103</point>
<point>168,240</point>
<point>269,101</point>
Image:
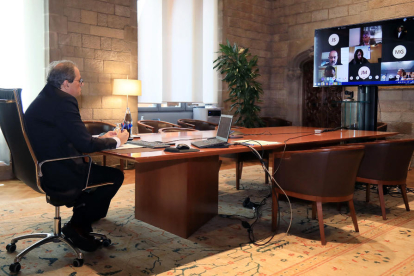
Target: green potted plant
<point>240,70</point>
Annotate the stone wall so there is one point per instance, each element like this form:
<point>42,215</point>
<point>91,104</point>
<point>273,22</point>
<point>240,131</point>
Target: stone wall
<point>293,35</point>
<point>101,38</point>
<point>281,33</point>
<point>249,23</point>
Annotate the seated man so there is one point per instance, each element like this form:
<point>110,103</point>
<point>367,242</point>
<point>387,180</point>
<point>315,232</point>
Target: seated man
<point>401,32</point>
<point>333,59</point>
<point>329,75</point>
<point>56,130</point>
<point>366,39</point>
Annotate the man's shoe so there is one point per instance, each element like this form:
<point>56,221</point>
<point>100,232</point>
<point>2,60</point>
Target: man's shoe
<point>80,238</point>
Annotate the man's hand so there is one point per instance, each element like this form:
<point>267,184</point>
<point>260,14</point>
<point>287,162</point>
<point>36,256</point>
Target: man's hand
<point>123,136</point>
<point>109,134</point>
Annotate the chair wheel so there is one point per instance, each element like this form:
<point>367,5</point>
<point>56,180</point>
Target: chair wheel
<point>78,262</point>
<point>106,242</point>
<point>15,267</point>
<point>11,247</point>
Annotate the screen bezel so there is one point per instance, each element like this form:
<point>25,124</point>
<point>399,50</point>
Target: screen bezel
<point>220,126</point>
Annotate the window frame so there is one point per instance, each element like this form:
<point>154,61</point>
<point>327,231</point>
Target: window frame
<point>158,108</point>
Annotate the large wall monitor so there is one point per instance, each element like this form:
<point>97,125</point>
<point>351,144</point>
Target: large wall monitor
<point>374,53</point>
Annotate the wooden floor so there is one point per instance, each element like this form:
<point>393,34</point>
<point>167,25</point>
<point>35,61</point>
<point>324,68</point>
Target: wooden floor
<point>12,190</point>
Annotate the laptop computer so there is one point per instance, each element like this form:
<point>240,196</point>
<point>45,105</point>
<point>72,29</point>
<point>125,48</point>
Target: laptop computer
<point>223,131</point>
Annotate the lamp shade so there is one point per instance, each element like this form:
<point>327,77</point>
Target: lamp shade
<point>126,87</point>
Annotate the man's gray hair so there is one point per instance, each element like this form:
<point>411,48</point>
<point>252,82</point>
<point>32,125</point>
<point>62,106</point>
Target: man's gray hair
<point>59,71</point>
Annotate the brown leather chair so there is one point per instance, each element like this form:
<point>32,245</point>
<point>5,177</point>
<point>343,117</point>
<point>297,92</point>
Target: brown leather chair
<point>275,122</point>
<point>243,157</point>
<point>386,163</point>
<point>381,126</point>
<point>320,175</point>
<point>197,124</point>
<point>96,128</point>
<point>240,158</point>
<point>152,126</point>
<point>175,129</point>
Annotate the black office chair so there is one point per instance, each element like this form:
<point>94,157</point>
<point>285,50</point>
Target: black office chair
<point>27,169</point>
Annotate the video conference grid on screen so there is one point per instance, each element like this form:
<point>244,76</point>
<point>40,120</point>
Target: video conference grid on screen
<point>376,53</point>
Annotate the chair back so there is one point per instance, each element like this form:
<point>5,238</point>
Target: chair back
<point>12,125</point>
<point>196,124</point>
<point>97,127</point>
<point>275,122</point>
<point>386,160</point>
<point>381,126</point>
<point>325,172</point>
<point>152,126</point>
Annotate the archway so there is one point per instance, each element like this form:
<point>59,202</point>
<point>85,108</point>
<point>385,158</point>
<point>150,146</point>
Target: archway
<point>308,105</point>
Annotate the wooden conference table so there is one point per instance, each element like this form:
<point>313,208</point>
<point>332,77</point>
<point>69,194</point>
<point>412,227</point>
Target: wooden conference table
<point>178,192</point>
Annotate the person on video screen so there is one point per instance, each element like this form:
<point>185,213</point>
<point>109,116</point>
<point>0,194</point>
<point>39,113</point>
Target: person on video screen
<point>366,39</point>
<point>329,74</point>
<point>359,58</point>
<point>400,75</point>
<point>401,31</point>
<point>333,59</point>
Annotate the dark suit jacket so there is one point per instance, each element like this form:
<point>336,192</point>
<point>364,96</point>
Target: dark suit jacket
<point>56,130</point>
<point>401,35</point>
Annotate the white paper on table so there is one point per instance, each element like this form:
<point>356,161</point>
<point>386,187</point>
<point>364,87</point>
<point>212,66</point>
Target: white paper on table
<point>257,142</point>
<point>128,146</point>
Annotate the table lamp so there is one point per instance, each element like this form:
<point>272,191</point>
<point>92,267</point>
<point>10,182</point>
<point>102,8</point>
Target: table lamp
<point>129,88</point>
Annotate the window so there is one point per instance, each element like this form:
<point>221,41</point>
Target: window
<point>23,47</point>
<point>165,107</point>
<point>177,44</point>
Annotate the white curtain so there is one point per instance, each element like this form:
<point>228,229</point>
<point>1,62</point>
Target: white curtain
<point>177,44</point>
<point>23,52</point>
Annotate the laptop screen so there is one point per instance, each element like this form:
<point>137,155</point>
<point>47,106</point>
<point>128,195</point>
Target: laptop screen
<point>224,126</point>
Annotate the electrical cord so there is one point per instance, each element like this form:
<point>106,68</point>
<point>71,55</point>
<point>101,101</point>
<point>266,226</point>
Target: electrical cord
<point>257,210</point>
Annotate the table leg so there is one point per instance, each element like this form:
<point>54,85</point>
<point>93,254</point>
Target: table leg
<point>178,196</point>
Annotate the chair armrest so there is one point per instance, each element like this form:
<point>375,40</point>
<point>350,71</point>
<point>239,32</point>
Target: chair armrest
<point>40,174</point>
<point>188,125</point>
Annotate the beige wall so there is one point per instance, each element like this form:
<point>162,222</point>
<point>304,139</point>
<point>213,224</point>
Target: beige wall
<point>249,23</point>
<point>101,38</point>
<point>284,36</point>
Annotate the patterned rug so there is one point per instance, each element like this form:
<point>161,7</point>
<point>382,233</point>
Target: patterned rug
<point>222,247</point>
